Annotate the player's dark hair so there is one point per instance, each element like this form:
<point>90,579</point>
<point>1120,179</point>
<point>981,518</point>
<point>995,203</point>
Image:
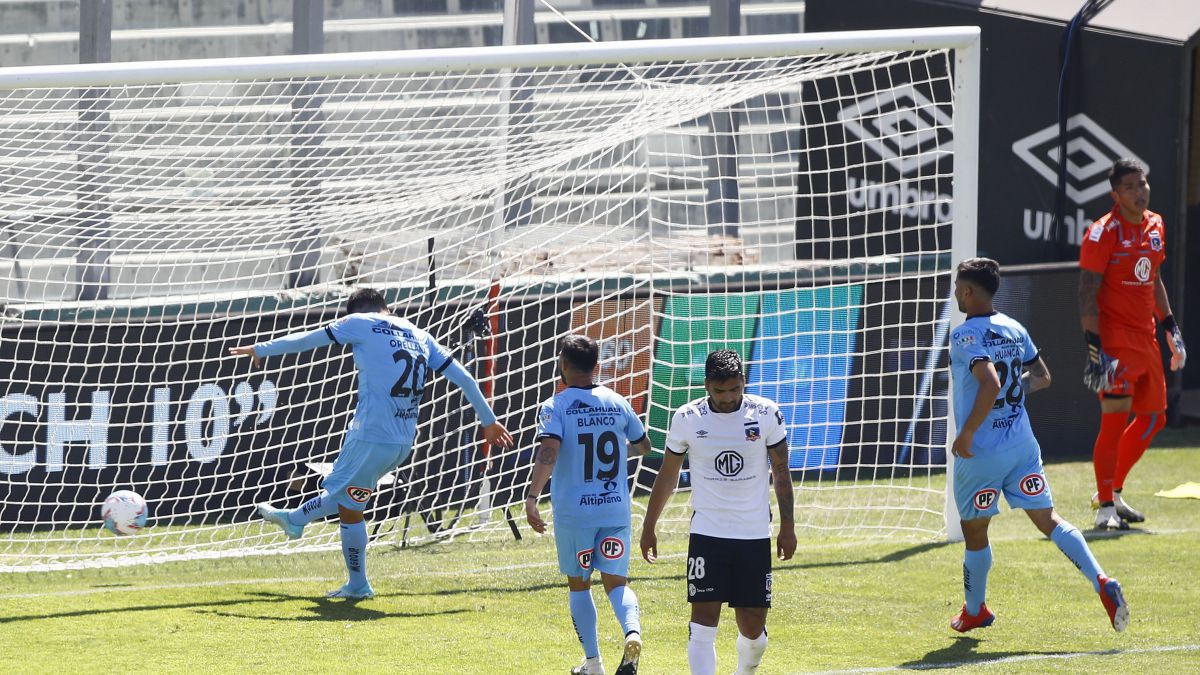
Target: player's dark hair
<point>723,364</point>
<point>1123,167</point>
<point>366,300</point>
<point>982,272</point>
<point>580,351</point>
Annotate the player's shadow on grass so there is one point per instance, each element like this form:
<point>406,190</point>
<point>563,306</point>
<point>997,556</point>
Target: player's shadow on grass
<point>962,653</point>
<point>333,609</point>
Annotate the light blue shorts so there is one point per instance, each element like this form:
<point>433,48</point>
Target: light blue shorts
<point>358,468</point>
<point>1017,472</point>
<point>583,549</point>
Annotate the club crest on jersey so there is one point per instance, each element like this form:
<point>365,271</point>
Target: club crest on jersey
<point>1033,485</point>
<point>1155,241</point>
<point>752,433</point>
<point>729,463</point>
<point>612,548</point>
<point>1141,269</point>
<point>584,558</point>
<point>359,495</point>
<point>1096,232</point>
<point>985,498</point>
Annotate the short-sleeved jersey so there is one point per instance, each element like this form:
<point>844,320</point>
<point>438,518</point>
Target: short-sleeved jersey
<point>590,483</point>
<point>1128,255</point>
<point>394,359</point>
<point>1005,342</point>
<point>727,458</point>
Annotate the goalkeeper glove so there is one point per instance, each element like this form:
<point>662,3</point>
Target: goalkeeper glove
<point>1175,342</point>
<point>1101,368</point>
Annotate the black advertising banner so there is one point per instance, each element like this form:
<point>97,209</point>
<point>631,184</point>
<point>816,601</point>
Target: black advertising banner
<point>1124,102</point>
<point>877,162</point>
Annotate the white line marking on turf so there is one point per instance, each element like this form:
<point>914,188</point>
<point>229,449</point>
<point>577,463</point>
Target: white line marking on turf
<point>1010,659</point>
<point>849,543</point>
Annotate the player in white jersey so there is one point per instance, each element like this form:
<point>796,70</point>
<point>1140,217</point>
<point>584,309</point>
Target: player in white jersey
<point>993,363</point>
<point>393,358</point>
<point>582,435</point>
<point>727,438</point>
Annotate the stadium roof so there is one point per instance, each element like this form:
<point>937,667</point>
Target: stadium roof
<point>1172,20</point>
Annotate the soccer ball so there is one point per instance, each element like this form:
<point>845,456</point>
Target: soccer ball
<point>124,512</point>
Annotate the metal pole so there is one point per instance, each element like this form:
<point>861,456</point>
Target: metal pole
<point>519,29</point>
<point>93,134</point>
<point>308,37</point>
<point>720,151</point>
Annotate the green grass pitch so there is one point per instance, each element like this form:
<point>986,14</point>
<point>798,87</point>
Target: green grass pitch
<point>842,604</point>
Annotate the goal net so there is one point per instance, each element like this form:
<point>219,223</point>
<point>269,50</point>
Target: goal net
<point>794,198</point>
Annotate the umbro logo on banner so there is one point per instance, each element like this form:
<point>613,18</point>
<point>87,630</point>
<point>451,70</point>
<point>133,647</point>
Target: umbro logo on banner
<point>1090,153</point>
<point>901,125</point>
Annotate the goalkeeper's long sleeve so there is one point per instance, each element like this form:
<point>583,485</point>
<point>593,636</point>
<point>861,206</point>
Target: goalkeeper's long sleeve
<point>296,342</point>
<point>470,388</point>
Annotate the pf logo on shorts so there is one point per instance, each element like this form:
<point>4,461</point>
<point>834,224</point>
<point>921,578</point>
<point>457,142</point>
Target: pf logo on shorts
<point>985,498</point>
<point>1033,484</point>
<point>584,558</point>
<point>359,495</point>
<point>612,548</point>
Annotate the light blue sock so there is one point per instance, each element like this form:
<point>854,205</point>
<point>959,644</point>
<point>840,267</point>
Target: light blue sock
<point>625,606</point>
<point>354,548</point>
<point>1068,540</point>
<point>583,614</point>
<point>975,572</point>
<point>318,507</point>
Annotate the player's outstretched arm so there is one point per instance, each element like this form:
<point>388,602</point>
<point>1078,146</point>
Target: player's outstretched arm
<point>493,431</point>
<point>543,465</point>
<point>989,387</point>
<point>1036,376</point>
<point>781,476</point>
<point>288,344</point>
<point>664,485</point>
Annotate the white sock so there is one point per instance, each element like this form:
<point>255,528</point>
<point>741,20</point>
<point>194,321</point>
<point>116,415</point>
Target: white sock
<point>750,652</point>
<point>702,649</point>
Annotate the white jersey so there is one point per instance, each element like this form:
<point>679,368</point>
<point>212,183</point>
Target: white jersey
<point>727,457</point>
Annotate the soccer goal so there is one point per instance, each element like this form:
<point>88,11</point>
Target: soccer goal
<point>798,198</point>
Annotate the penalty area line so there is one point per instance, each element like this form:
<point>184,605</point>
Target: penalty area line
<point>1010,659</point>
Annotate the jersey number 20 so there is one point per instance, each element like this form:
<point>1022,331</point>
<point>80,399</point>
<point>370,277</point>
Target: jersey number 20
<point>412,374</point>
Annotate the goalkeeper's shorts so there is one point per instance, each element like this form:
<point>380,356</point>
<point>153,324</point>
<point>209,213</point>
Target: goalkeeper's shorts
<point>358,468</point>
<point>583,549</point>
<point>1016,473</point>
<point>1139,371</point>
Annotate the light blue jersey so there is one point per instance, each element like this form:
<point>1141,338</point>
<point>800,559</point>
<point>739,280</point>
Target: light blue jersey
<point>590,485</point>
<point>394,360</point>
<point>1005,342</point>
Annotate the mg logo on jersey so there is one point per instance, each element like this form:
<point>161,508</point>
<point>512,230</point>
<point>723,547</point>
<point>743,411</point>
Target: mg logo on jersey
<point>612,548</point>
<point>1141,269</point>
<point>359,495</point>
<point>729,463</point>
<point>585,559</point>
<point>1033,484</point>
<point>985,498</point>
<point>1090,153</point>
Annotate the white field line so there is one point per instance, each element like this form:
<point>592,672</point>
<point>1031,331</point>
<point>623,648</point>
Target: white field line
<point>1010,659</point>
<point>490,570</point>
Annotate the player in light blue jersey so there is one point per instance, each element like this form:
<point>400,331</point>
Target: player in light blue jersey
<point>394,360</point>
<point>994,363</point>
<point>582,433</point>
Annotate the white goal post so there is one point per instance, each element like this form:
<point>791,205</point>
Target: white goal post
<point>798,198</point>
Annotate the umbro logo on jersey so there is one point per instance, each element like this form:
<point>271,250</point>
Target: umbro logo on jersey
<point>701,433</point>
<point>901,125</point>
<point>1090,153</point>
